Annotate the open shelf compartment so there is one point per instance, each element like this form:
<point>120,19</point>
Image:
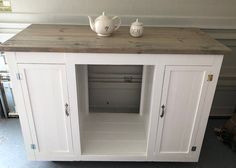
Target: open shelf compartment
<point>114,108</point>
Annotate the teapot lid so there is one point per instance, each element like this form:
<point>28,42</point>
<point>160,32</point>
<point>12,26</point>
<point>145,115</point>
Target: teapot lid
<point>137,23</point>
<point>103,16</point>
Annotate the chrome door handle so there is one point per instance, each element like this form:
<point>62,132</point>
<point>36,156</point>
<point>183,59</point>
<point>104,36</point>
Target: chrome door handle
<point>67,109</point>
<point>162,111</point>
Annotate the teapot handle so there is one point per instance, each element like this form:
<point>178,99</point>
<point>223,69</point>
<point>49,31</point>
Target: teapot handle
<point>118,22</point>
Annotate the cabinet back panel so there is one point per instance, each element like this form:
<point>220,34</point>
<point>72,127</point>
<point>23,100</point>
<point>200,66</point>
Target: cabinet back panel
<point>114,88</point>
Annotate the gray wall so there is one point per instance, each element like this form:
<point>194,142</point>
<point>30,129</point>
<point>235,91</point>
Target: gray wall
<point>205,8</point>
<point>198,13</point>
<point>225,97</point>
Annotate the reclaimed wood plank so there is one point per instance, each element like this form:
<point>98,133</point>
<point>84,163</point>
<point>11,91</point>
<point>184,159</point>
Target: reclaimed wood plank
<point>81,39</point>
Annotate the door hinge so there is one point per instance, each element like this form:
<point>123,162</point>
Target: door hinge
<point>194,148</point>
<point>33,146</point>
<point>18,76</point>
<point>210,77</point>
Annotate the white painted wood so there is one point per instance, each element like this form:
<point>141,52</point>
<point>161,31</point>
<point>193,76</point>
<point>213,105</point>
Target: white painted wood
<point>215,70</point>
<point>82,86</point>
<point>121,97</point>
<point>183,96</point>
<point>114,147</point>
<point>40,58</point>
<point>158,76</point>
<point>86,89</point>
<point>20,104</point>
<point>110,92</point>
<point>146,94</point>
<point>123,157</point>
<point>179,81</point>
<point>139,59</point>
<point>107,133</point>
<point>114,134</point>
<point>45,95</point>
<point>79,91</point>
<point>143,93</point>
<point>75,118</point>
<point>123,59</point>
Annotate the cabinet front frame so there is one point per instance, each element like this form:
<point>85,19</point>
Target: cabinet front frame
<point>160,61</point>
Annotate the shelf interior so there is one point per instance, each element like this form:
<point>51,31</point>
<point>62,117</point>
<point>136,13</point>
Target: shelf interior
<point>114,134</point>
<point>114,108</point>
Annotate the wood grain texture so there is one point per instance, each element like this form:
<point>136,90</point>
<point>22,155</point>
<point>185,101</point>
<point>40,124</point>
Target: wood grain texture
<point>81,39</point>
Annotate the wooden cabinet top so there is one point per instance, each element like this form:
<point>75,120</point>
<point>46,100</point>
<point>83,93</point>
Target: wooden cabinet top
<point>81,39</point>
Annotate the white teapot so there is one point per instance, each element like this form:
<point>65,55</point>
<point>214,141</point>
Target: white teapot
<point>104,25</point>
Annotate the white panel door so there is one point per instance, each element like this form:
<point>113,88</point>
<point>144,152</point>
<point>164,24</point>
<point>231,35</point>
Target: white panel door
<point>184,90</point>
<point>46,97</point>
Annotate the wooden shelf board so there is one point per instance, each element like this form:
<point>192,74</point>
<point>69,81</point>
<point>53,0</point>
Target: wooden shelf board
<point>114,134</point>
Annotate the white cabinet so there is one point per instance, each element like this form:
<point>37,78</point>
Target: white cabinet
<point>44,88</point>
<point>175,101</point>
<point>184,91</point>
<point>96,99</point>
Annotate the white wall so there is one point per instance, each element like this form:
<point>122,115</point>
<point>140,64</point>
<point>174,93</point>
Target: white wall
<point>198,13</point>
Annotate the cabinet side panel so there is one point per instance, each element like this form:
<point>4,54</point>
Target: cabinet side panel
<point>20,106</point>
<point>215,71</point>
<point>147,84</point>
<point>82,97</point>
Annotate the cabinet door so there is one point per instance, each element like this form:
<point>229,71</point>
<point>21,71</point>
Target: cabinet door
<point>46,97</point>
<point>184,90</point>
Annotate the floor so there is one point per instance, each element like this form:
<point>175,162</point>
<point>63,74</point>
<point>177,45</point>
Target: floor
<point>12,154</point>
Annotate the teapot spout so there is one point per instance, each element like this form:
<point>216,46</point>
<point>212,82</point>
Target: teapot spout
<point>91,22</point>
